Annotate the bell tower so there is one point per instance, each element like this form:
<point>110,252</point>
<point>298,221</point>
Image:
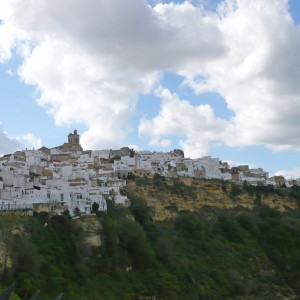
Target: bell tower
<point>73,138</point>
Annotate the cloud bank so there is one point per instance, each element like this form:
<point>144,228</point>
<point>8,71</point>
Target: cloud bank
<point>8,144</point>
<point>91,61</point>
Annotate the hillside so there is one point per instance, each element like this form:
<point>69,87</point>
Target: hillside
<point>197,240</point>
<point>168,196</point>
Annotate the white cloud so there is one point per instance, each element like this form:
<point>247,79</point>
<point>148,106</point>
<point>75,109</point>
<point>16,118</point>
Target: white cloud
<point>289,174</point>
<point>9,72</point>
<point>7,41</point>
<point>134,147</point>
<point>10,144</point>
<point>7,143</point>
<point>257,77</point>
<point>90,61</point>
<point>29,141</point>
<point>196,126</point>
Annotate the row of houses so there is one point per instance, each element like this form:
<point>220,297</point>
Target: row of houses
<point>174,164</point>
<point>67,177</point>
<point>57,179</point>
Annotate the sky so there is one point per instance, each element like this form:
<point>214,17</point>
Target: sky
<point>218,78</point>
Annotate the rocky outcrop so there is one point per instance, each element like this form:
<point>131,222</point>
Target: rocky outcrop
<point>279,203</point>
<point>194,194</point>
<point>5,260</point>
<point>11,227</point>
<point>91,228</point>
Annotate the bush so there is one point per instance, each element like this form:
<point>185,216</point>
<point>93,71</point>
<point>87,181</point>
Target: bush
<point>230,228</point>
<point>235,191</point>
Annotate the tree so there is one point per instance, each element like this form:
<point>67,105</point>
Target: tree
<point>76,211</point>
<point>66,213</point>
<point>140,210</point>
<point>95,207</point>
<point>131,153</point>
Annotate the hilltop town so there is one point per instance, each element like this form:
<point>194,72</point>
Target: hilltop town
<point>68,178</point>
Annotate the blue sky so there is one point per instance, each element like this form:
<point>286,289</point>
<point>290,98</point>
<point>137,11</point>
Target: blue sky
<point>217,78</point>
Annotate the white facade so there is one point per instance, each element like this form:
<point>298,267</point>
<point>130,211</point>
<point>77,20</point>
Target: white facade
<point>99,199</point>
<point>260,173</point>
<point>126,163</point>
<point>66,171</point>
<point>8,178</point>
<point>101,154</point>
<point>121,200</point>
<point>85,178</point>
<point>85,158</point>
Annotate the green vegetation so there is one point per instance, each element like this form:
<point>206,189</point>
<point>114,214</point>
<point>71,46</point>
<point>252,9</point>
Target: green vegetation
<point>95,207</point>
<point>209,254</point>
<point>173,186</point>
<point>13,296</point>
<point>266,190</point>
<point>294,192</point>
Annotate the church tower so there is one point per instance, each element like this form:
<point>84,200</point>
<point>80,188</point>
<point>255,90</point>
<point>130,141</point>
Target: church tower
<point>73,143</point>
<point>73,138</point>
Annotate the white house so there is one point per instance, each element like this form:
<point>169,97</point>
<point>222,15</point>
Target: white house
<point>101,154</point>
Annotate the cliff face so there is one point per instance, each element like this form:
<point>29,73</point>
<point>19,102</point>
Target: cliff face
<point>91,228</point>
<point>5,260</point>
<point>192,194</point>
<point>10,225</point>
